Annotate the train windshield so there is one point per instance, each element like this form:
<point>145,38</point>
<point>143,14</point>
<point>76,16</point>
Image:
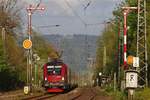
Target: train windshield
<point>54,70</point>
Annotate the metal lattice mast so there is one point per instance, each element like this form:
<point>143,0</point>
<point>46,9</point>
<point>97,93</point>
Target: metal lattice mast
<point>141,42</point>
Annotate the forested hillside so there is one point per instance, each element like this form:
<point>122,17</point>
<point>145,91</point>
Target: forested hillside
<point>76,49</point>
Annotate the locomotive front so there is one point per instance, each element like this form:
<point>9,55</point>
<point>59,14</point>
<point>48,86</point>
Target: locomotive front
<point>55,76</point>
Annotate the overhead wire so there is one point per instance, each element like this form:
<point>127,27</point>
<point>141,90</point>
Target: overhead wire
<point>47,26</point>
<point>87,5</point>
<point>75,13</point>
<point>37,6</point>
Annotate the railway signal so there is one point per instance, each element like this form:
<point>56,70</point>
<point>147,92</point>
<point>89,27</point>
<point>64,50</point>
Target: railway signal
<point>30,10</point>
<point>27,44</point>
<point>137,74</point>
<point>136,62</point>
<point>130,60</point>
<point>131,82</point>
<point>140,62</point>
<point>126,10</point>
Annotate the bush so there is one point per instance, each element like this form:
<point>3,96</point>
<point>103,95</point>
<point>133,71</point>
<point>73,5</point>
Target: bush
<point>9,80</point>
<point>109,88</point>
<point>143,94</point>
<point>117,95</point>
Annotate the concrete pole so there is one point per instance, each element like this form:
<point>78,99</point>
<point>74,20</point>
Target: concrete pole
<point>114,81</point>
<point>4,40</point>
<point>36,72</point>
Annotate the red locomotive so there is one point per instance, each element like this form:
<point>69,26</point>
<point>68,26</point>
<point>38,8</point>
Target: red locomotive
<point>57,76</point>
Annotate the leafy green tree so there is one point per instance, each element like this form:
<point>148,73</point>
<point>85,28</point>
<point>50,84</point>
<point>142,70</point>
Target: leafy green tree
<point>43,48</point>
<point>132,31</point>
<point>12,60</point>
<point>3,63</point>
<point>109,40</point>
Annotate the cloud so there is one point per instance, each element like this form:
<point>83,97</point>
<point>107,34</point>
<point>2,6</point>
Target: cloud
<point>59,5</point>
<point>31,1</point>
<point>58,12</point>
<point>66,5</point>
<point>63,2</point>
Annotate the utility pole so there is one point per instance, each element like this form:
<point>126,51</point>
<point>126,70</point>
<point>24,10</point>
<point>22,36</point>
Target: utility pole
<point>119,52</point>
<point>30,11</point>
<point>141,42</point>
<point>4,40</point>
<point>104,59</point>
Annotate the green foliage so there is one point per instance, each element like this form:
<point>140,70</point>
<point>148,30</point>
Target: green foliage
<point>11,64</point>
<point>8,79</point>
<point>116,95</point>
<point>143,94</point>
<point>10,14</point>
<point>13,61</point>
<point>15,57</point>
<point>11,55</point>
<point>42,47</point>
<point>109,88</point>
<point>2,58</point>
<point>109,40</point>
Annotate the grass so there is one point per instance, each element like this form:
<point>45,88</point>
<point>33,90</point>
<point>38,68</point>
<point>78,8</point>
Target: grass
<point>142,94</point>
<point>116,95</point>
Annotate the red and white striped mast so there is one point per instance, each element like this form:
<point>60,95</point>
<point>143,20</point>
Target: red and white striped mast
<point>125,39</point>
<point>125,14</point>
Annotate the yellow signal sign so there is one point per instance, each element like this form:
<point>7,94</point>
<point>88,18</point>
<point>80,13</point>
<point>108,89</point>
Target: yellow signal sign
<point>27,44</point>
<point>130,60</point>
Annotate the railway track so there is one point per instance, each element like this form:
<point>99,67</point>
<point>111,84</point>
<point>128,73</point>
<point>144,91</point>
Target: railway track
<point>87,94</point>
<point>40,97</point>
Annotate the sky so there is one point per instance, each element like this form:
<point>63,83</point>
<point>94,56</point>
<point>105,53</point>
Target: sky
<point>73,16</point>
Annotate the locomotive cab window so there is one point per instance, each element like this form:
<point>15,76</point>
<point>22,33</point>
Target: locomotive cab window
<point>54,70</point>
<point>50,70</point>
<point>57,71</point>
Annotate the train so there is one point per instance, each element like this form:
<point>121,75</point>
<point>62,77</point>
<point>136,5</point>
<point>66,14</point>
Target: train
<point>57,77</point>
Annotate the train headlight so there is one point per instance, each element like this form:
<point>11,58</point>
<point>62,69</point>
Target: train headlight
<point>45,78</point>
<point>62,78</point>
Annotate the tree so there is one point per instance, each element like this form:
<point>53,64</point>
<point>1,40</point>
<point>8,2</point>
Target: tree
<point>10,62</point>
<point>42,47</point>
<point>9,14</point>
<point>132,23</point>
<point>109,40</point>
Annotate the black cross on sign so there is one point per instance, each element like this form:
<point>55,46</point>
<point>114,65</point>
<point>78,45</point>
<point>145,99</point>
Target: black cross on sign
<point>131,77</point>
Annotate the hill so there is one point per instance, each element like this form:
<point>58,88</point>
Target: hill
<point>76,49</point>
